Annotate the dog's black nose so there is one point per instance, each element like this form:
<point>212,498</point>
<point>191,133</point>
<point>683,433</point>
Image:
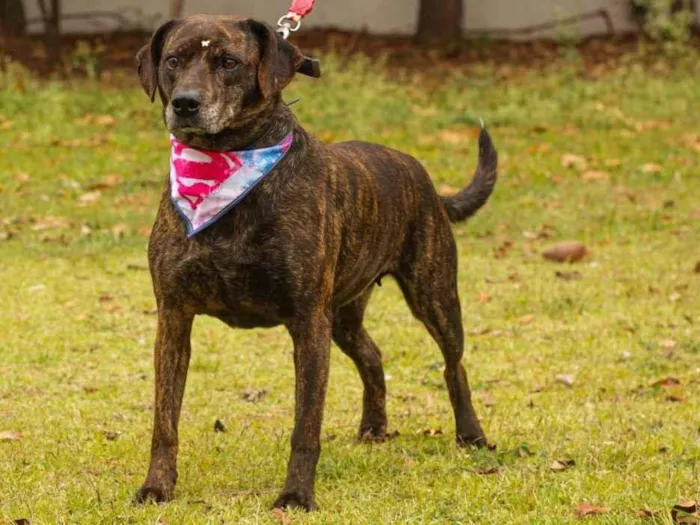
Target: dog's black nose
<point>186,104</point>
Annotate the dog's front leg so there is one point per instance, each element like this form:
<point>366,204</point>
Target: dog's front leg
<point>171,359</point>
<point>312,343</point>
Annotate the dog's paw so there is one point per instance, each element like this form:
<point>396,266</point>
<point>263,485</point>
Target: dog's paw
<point>295,500</point>
<point>376,435</point>
<point>477,441</point>
<point>153,494</point>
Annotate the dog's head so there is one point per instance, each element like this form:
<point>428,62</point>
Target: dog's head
<point>215,73</point>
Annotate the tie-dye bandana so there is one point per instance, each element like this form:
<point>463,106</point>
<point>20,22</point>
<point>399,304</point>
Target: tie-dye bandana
<point>207,184</point>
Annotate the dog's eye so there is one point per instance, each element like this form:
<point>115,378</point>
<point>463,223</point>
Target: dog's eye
<point>172,62</point>
<point>229,63</point>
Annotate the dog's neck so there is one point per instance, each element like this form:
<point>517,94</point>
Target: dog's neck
<point>266,129</point>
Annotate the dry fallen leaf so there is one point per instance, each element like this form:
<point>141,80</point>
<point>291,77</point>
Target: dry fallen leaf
<point>90,197</point>
<point>697,267</point>
<point>111,435</point>
<point>572,251</point>
<point>595,175</point>
<point>219,426</point>
<point>559,465</point>
<point>49,223</point>
<point>666,382</point>
<point>569,160</point>
<point>432,432</point>
<point>253,395</point>
<point>652,168</point>
<point>285,518</point>
<point>447,190</point>
<point>568,276</point>
<point>584,509</point>
<point>525,319</point>
<point>566,379</point>
<point>10,435</point>
<point>667,344</point>
<point>646,513</point>
<point>105,120</point>
<point>686,512</point>
<point>612,163</point>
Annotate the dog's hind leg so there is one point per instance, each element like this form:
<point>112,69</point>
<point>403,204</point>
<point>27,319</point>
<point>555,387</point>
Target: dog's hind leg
<point>429,283</point>
<point>356,343</point>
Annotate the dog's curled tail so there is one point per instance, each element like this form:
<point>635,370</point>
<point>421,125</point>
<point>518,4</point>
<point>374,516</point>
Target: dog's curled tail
<point>464,204</point>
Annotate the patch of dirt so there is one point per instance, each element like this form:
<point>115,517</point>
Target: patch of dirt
<point>116,51</point>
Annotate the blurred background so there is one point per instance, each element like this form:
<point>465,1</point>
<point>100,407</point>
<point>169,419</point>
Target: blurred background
<point>579,280</point>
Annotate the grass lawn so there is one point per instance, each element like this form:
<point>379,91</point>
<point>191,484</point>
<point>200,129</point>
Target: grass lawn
<point>612,160</point>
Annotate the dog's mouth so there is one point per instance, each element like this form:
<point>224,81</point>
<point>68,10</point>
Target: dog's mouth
<point>188,130</point>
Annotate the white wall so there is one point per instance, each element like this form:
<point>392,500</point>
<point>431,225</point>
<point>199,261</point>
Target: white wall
<point>376,16</point>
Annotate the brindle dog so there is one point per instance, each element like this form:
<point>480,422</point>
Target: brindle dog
<point>303,249</point>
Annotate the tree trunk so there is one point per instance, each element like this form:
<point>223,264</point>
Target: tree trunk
<point>52,30</point>
<point>439,21</point>
<point>176,8</point>
<point>13,21</point>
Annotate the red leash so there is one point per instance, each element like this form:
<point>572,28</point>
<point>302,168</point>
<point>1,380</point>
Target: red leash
<point>292,20</point>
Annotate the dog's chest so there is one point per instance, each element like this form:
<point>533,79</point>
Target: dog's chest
<point>234,279</point>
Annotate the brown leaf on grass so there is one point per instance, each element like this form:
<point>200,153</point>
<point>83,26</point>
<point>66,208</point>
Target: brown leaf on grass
<point>695,214</point>
<point>525,319</point>
<point>687,512</point>
<point>484,297</point>
<point>90,197</point>
<point>486,471</point>
<point>646,513</point>
<point>110,181</point>
<point>110,435</point>
<point>119,230</point>
<point>652,168</point>
<point>593,175</point>
<point>571,252</point>
<point>568,276</point>
<point>458,136</point>
<point>105,297</point>
<point>612,163</point>
<point>668,344</point>
<point>50,223</point>
<point>432,432</point>
<point>6,236</point>
<point>145,231</point>
<point>569,160</point>
<point>692,140</point>
<point>219,426</point>
<point>500,251</point>
<point>584,509</point>
<point>253,395</point>
<point>105,120</point>
<point>447,191</point>
<point>559,465</point>
<point>282,516</point>
<point>10,435</point>
<point>666,382</point>
<point>566,379</point>
<point>697,267</point>
<point>539,148</point>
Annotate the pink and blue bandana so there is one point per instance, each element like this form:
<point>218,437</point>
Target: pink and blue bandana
<point>206,184</point>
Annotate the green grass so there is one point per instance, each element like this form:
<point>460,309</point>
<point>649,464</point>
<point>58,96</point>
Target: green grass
<point>77,317</point>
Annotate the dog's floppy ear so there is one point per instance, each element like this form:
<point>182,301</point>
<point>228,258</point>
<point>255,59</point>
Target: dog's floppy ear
<point>148,59</point>
<point>279,60</point>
